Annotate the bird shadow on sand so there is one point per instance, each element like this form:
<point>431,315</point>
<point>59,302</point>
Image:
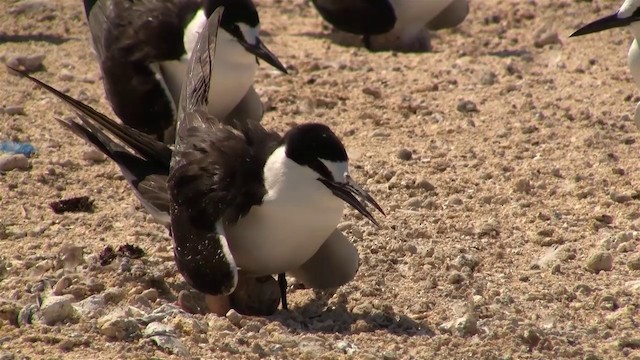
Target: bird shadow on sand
<point>318,316</point>
<point>20,38</point>
<point>356,41</point>
<point>336,37</point>
<point>510,53</point>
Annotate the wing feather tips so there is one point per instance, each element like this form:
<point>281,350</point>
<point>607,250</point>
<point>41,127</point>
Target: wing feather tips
<point>202,256</point>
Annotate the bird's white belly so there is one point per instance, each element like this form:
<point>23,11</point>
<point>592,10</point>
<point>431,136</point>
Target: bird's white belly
<point>412,15</point>
<point>234,70</point>
<point>276,239</point>
<point>634,62</point>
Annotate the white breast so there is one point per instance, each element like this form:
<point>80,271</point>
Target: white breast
<point>234,69</point>
<point>412,15</point>
<point>297,216</point>
<point>634,53</point>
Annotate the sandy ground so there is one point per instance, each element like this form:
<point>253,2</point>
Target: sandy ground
<point>495,216</point>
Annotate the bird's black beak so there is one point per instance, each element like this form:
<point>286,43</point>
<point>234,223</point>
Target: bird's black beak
<point>261,51</point>
<point>349,192</point>
<point>607,22</point>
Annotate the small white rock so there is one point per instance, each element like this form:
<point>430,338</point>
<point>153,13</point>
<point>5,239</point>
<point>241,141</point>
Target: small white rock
<point>13,162</point>
<point>56,309</point>
<point>117,325</point>
<point>94,155</point>
<point>599,261</point>
<point>91,307</point>
<point>234,317</point>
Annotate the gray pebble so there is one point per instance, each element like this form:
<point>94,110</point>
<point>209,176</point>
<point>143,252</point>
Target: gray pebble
<point>158,328</point>
<point>455,277</point>
<point>599,261</point>
<point>30,6</point>
<point>150,294</point>
<point>25,316</point>
<point>467,106</point>
<point>410,248</point>
<point>118,325</point>
<point>523,186</point>
<point>346,347</point>
<point>424,184</point>
<point>94,155</point>
<point>14,110</point>
<point>634,263</point>
<point>91,307</point>
<point>234,317</point>
<point>65,75</point>
<point>114,295</point>
<point>379,133</point>
<point>13,162</point>
<point>466,261</point>
<point>620,197</point>
<point>259,350</point>
<point>488,78</point>
<point>404,154</point>
<point>56,309</point>
<point>413,203</point>
<point>466,325</point>
<point>373,92</point>
<point>171,344</point>
<point>71,255</point>
<point>29,63</point>
<point>62,284</point>
<point>546,37</point>
<point>312,345</point>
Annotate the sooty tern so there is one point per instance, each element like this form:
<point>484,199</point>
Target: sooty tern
<point>241,201</point>
<point>143,47</point>
<point>393,24</point>
<point>627,16</point>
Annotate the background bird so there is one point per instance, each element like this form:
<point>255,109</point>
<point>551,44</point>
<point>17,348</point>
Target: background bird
<point>143,47</point>
<point>627,16</point>
<point>393,24</point>
<point>243,201</point>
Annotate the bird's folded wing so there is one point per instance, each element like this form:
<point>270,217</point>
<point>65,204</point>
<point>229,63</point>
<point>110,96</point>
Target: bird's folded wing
<point>200,178</point>
<point>131,37</point>
<point>362,17</point>
<point>192,111</point>
<point>140,30</point>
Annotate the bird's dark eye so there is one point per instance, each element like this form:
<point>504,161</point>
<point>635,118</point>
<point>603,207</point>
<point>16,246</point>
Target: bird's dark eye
<point>235,31</point>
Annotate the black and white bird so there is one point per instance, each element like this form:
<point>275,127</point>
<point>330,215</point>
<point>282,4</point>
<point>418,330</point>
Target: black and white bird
<point>242,201</point>
<point>627,16</point>
<point>393,24</point>
<point>143,47</point>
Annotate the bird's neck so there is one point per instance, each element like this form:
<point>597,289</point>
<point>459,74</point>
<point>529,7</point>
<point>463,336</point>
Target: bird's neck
<point>635,29</point>
<point>288,183</point>
<point>233,71</point>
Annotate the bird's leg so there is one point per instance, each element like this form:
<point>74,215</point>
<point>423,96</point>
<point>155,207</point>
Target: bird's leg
<point>366,41</point>
<point>282,283</point>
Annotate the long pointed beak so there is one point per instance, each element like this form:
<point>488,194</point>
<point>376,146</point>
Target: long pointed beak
<point>349,192</point>
<point>260,50</point>
<point>607,22</point>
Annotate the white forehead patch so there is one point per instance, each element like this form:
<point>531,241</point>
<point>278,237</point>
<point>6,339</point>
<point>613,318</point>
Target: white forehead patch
<point>339,169</point>
<point>628,8</point>
<point>250,33</point>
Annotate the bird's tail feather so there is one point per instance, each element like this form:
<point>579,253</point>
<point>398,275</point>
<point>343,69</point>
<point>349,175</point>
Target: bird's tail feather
<point>145,171</point>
